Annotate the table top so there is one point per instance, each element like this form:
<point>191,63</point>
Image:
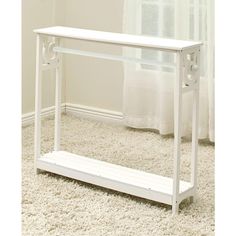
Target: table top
<point>118,38</point>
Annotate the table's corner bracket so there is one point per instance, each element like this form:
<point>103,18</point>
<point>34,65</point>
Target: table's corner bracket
<point>50,59</point>
<point>191,65</point>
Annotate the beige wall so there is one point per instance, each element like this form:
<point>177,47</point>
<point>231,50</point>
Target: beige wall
<point>35,14</point>
<point>87,81</point>
<point>90,81</point>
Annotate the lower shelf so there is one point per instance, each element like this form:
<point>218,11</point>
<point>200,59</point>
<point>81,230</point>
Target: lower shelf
<point>119,178</point>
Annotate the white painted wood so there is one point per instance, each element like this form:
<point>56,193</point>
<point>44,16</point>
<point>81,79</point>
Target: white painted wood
<point>189,88</point>
<point>57,133</point>
<point>188,193</point>
<point>177,130</point>
<point>116,177</point>
<point>195,121</point>
<point>117,38</point>
<point>146,185</point>
<point>38,98</point>
<point>49,66</point>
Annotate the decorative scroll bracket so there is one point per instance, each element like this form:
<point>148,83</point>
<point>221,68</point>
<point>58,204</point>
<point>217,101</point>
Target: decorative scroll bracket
<point>191,65</point>
<point>50,59</point>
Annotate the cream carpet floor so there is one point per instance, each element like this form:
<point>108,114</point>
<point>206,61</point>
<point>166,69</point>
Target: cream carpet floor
<point>54,205</point>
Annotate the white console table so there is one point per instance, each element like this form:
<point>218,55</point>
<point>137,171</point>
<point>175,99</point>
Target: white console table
<point>170,191</point>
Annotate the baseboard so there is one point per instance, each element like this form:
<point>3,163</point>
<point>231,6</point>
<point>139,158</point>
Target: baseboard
<point>28,118</point>
<point>80,111</point>
<point>94,113</point>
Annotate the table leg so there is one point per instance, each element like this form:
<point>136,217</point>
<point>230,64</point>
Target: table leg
<point>195,121</point>
<point>177,131</point>
<point>38,97</point>
<point>57,133</point>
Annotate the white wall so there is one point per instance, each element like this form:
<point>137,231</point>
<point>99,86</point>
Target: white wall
<point>90,82</point>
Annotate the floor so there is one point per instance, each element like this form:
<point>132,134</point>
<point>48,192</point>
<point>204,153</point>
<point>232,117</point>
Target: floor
<point>54,205</point>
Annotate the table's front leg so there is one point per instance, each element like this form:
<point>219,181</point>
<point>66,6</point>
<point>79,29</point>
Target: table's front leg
<point>187,76</point>
<point>191,80</point>
<point>47,59</point>
<point>38,98</point>
<point>177,130</point>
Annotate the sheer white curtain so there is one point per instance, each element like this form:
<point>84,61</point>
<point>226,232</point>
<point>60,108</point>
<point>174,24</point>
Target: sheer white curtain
<point>148,90</point>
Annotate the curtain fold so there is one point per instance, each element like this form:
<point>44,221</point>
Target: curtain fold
<point>148,90</point>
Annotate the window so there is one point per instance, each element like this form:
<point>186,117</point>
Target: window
<point>170,19</point>
<point>158,19</point>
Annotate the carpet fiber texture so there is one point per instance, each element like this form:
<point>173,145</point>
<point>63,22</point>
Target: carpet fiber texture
<point>55,205</point>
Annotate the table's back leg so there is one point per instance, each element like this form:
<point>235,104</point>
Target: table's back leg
<point>195,122</point>
<point>38,97</point>
<point>57,133</point>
